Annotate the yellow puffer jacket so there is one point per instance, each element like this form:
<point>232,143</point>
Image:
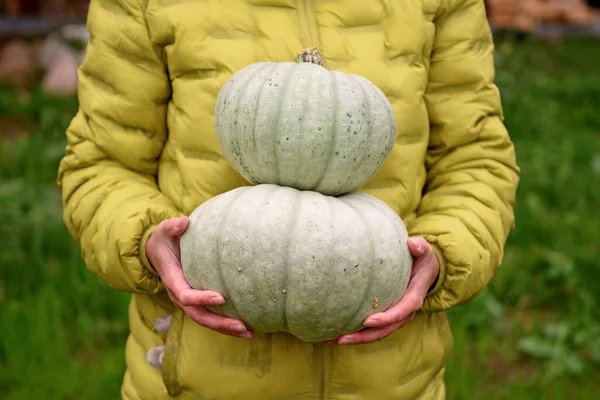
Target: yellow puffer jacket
<point>143,148</point>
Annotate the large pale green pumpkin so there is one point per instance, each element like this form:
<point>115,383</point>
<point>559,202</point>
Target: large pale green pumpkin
<point>301,125</point>
<point>297,261</point>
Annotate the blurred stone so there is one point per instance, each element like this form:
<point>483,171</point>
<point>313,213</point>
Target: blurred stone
<point>61,78</point>
<point>60,55</point>
<point>76,33</point>
<point>70,41</point>
<point>52,50</point>
<point>18,67</point>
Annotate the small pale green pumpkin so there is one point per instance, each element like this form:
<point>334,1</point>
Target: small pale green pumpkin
<point>301,125</point>
<point>297,261</point>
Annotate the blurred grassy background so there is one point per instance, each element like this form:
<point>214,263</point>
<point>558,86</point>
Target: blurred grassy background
<point>534,333</point>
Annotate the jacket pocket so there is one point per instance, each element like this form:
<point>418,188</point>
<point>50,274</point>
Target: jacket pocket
<point>171,354</point>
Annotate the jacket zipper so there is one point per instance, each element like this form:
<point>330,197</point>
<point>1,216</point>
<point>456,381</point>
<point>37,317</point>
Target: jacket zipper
<point>323,356</point>
<point>308,23</point>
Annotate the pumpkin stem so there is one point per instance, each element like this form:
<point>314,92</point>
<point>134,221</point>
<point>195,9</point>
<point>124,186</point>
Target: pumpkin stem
<point>310,55</point>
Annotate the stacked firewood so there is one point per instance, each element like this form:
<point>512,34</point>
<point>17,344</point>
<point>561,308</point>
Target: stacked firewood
<point>53,55</point>
<point>51,61</point>
<point>525,15</point>
<point>20,8</point>
<point>42,42</point>
<point>503,14</point>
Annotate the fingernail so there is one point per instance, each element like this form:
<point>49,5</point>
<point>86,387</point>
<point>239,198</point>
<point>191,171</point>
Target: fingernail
<point>244,335</point>
<point>177,223</point>
<point>346,340</point>
<point>372,322</point>
<point>238,328</point>
<point>216,300</point>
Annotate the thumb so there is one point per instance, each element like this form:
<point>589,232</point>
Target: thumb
<point>173,227</point>
<point>418,246</point>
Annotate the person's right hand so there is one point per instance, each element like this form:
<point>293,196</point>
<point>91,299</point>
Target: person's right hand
<point>162,250</point>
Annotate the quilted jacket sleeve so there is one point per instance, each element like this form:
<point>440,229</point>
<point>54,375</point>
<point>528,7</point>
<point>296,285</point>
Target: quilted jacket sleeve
<point>467,208</point>
<point>111,200</point>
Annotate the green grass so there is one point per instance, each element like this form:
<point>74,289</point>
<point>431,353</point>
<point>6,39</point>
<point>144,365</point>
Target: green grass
<point>534,333</point>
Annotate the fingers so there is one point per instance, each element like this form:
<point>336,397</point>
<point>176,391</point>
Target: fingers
<point>191,301</point>
<point>418,246</point>
<point>171,273</point>
<point>228,326</point>
<point>174,280</point>
<point>374,334</point>
<point>426,266</point>
<point>204,317</point>
<point>223,325</point>
<point>411,302</point>
<point>173,227</point>
<point>424,272</point>
<point>164,241</point>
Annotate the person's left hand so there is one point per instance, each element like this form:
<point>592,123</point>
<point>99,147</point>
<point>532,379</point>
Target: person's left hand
<point>425,271</point>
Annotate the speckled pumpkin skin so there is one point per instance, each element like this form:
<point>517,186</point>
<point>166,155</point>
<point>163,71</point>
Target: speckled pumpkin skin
<point>301,125</point>
<point>297,261</point>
